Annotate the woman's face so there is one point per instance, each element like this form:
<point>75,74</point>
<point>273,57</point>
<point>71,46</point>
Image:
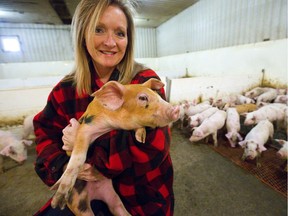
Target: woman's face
<point>110,40</point>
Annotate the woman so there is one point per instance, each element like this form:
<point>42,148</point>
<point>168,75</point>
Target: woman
<point>103,34</point>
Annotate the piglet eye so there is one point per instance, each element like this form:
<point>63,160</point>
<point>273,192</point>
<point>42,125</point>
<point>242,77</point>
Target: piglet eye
<point>143,98</point>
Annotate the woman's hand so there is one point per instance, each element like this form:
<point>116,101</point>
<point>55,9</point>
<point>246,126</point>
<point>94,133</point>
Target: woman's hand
<point>69,135</point>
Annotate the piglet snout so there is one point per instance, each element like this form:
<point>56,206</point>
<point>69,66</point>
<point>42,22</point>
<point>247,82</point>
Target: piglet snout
<point>21,160</point>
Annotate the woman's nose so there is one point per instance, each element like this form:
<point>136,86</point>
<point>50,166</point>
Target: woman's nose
<point>109,41</point>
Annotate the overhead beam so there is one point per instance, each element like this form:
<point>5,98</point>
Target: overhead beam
<point>62,11</point>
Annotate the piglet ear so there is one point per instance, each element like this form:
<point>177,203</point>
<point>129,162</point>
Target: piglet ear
<point>27,142</point>
<point>239,137</point>
<point>242,143</point>
<point>261,148</point>
<point>110,95</point>
<point>6,150</point>
<point>154,84</point>
<point>140,135</point>
<point>280,141</point>
<point>228,135</point>
<point>198,133</point>
<point>244,114</point>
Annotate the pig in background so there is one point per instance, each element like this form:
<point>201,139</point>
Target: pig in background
<point>267,96</point>
<point>233,127</point>
<point>191,109</point>
<point>28,127</point>
<point>274,112</point>
<point>198,118</point>
<point>281,99</point>
<point>283,152</point>
<point>209,126</point>
<point>255,140</point>
<point>253,106</point>
<point>13,147</point>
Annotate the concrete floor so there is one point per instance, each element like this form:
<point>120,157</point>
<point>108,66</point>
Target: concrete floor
<point>205,184</point>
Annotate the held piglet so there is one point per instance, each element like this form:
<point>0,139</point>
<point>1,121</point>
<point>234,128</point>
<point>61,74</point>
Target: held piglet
<point>12,147</point>
<point>233,126</point>
<point>209,126</point>
<point>115,106</point>
<point>255,140</point>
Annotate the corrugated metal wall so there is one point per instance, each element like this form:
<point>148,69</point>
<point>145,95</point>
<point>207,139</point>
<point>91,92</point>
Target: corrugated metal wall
<point>145,43</point>
<point>38,42</point>
<point>220,23</point>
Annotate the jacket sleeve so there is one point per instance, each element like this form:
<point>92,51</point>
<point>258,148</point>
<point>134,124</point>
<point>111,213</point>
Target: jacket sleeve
<point>48,125</point>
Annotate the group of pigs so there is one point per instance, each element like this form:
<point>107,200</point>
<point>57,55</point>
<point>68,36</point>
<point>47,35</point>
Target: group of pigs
<point>14,146</point>
<point>263,108</point>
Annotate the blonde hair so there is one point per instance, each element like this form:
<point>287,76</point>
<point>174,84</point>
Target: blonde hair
<point>85,19</point>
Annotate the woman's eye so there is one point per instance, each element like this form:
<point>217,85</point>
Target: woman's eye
<point>121,34</point>
<point>99,30</point>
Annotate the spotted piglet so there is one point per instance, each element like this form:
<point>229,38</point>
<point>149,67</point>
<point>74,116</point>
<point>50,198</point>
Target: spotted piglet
<point>255,140</point>
<point>115,106</point>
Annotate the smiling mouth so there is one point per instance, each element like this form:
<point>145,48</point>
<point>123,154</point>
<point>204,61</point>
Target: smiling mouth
<point>108,53</point>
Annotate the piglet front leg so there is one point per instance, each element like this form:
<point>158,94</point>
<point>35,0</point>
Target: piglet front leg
<point>64,187</point>
<point>214,135</point>
<point>66,183</point>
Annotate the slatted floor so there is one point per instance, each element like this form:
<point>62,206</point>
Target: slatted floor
<point>271,171</point>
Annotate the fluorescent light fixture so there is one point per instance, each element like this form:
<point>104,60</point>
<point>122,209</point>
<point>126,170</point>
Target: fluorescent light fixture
<point>10,44</point>
<point>141,20</point>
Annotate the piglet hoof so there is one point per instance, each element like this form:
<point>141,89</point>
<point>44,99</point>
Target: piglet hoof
<point>59,199</point>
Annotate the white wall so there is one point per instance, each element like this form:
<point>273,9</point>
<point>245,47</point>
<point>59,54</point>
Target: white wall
<point>25,86</point>
<point>224,71</point>
<point>34,69</point>
<point>212,24</point>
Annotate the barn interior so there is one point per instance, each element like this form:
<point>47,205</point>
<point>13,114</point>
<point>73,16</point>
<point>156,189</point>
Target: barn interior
<point>201,49</point>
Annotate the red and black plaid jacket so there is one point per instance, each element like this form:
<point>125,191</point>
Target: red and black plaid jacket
<point>142,173</point>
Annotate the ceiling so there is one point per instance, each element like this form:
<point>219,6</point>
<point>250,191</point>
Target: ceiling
<point>150,13</point>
